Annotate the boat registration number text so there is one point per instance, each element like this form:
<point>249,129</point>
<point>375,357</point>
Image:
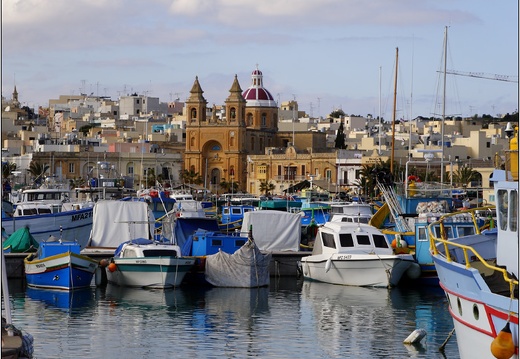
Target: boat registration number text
<point>348,256</point>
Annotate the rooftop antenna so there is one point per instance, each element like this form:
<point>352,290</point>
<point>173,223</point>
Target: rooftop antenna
<point>293,119</point>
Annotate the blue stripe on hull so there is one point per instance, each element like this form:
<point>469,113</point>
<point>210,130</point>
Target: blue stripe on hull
<point>63,278</point>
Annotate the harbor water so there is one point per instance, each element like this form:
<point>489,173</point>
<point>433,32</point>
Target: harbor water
<point>289,319</point>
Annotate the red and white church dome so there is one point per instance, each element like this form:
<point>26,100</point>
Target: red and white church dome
<point>257,95</point>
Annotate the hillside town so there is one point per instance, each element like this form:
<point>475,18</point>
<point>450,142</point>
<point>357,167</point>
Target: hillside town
<point>249,144</point>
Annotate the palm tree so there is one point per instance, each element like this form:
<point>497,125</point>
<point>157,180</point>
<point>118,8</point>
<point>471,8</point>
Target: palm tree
<point>266,187</point>
<point>464,175</point>
<point>371,175</point>
<point>190,176</point>
<point>37,170</point>
<point>7,169</point>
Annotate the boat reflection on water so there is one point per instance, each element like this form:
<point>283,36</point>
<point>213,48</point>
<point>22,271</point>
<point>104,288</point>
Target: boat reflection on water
<point>66,300</point>
<point>243,302</point>
<point>369,322</point>
<point>144,297</point>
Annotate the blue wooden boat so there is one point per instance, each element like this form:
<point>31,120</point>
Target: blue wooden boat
<point>59,265</point>
<point>233,215</point>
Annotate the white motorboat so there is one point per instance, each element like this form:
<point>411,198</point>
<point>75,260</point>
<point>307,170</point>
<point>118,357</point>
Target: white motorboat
<point>144,263</point>
<point>355,254</point>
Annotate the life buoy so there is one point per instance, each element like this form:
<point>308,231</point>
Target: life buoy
<point>154,193</point>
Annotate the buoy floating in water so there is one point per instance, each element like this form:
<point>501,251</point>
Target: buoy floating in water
<point>415,337</point>
<point>502,347</point>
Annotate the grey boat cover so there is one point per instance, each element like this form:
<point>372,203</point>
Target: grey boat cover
<point>246,268</point>
<point>115,222</point>
<point>274,230</point>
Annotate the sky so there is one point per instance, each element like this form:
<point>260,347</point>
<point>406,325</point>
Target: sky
<point>325,54</point>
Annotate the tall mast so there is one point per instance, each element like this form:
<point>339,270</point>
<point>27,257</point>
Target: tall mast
<point>379,110</point>
<point>444,102</point>
<point>393,114</point>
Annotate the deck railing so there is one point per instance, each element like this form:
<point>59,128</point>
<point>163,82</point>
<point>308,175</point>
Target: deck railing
<point>465,249</point>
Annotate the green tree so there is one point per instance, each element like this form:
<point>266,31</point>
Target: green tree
<point>231,186</point>
<point>337,114</point>
<point>85,129</point>
<point>190,176</point>
<point>340,138</point>
<point>464,175</point>
<point>7,169</point>
<point>372,174</point>
<point>266,187</point>
<point>37,170</point>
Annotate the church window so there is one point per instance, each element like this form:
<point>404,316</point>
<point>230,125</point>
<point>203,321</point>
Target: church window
<point>233,113</point>
<point>264,119</point>
<point>193,114</point>
<point>249,119</point>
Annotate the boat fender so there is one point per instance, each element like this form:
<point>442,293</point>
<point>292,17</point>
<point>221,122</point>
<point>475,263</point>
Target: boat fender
<point>502,347</point>
<point>414,271</point>
<point>103,263</point>
<point>112,267</point>
<point>399,242</point>
<point>328,265</point>
<point>415,337</point>
<point>98,276</point>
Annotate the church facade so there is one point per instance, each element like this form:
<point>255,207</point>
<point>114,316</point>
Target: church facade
<point>220,149</point>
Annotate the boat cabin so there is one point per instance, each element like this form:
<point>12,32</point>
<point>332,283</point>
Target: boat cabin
<point>350,238</point>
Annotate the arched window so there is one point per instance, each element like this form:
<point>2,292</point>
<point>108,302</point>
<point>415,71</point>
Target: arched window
<point>233,113</point>
<point>249,119</point>
<point>193,114</point>
<point>264,119</point>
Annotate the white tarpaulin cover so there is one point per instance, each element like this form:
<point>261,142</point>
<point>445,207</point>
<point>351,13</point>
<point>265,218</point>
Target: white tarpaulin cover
<point>274,230</point>
<point>246,268</point>
<point>116,222</point>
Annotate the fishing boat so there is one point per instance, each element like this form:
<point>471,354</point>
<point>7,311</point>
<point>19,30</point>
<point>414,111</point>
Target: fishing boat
<point>144,263</point>
<point>479,272</point>
<point>48,211</point>
<point>58,264</point>
<point>355,254</point>
<point>233,214</point>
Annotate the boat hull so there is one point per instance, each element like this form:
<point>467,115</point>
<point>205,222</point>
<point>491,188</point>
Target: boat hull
<point>358,270</point>
<point>160,272</point>
<point>75,225</point>
<point>62,271</point>
<point>468,294</point>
